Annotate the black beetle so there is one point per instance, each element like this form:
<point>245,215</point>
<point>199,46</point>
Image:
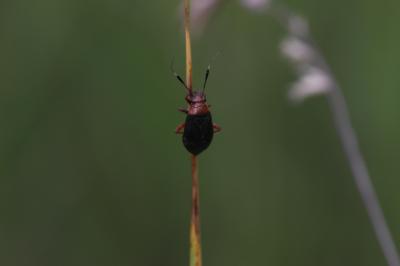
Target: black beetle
<point>198,129</point>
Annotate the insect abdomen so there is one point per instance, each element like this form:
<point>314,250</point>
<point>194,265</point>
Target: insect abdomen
<point>198,133</point>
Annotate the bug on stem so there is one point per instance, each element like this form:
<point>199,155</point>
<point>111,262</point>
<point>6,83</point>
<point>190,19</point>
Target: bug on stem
<point>198,129</point>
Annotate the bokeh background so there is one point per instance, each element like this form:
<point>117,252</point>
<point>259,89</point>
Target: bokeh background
<point>91,172</point>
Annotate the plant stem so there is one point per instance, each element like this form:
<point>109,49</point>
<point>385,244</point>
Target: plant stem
<point>188,45</point>
<point>195,236</point>
<point>195,239</point>
<point>361,176</point>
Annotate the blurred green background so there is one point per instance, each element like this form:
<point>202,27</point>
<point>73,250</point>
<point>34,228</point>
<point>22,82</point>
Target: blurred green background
<point>91,172</point>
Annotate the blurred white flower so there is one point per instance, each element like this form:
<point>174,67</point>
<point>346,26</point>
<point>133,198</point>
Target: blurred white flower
<point>297,50</point>
<point>256,5</point>
<point>202,7</point>
<point>201,10</point>
<point>313,82</point>
<point>298,26</point>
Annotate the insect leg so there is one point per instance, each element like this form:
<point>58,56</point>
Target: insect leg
<point>183,110</point>
<point>216,128</point>
<point>179,129</point>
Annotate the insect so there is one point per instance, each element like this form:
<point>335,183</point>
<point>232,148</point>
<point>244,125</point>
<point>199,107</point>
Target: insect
<point>198,129</point>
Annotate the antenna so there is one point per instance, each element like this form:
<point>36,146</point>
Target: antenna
<point>178,77</point>
<point>206,78</point>
<point>208,71</point>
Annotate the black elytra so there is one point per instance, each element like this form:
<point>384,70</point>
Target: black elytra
<point>198,133</point>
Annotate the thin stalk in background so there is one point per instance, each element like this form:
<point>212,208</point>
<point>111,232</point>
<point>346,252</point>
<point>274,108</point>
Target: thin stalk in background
<point>195,235</point>
<point>317,78</point>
